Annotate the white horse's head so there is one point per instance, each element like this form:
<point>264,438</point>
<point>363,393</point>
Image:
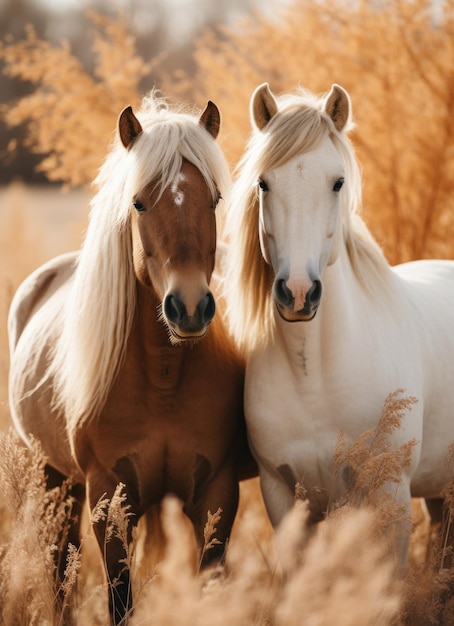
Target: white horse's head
<point>300,221</point>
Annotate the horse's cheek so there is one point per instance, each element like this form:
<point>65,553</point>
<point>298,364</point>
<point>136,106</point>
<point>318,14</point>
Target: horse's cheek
<point>141,267</point>
<point>334,242</point>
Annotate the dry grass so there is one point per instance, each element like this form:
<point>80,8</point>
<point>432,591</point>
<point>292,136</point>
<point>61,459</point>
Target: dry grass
<point>26,567</point>
<point>344,574</point>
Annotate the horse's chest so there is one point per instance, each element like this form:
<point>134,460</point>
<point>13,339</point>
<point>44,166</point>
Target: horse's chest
<point>167,438</point>
<point>294,419</point>
<point>165,373</point>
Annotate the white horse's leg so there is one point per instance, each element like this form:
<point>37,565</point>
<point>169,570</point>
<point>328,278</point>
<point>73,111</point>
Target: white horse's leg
<point>440,519</point>
<point>277,496</point>
<point>402,529</point>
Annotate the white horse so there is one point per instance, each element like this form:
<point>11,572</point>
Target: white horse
<point>329,327</point>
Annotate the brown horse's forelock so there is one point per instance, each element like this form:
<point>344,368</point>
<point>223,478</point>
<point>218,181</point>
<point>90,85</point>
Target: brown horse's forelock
<point>174,142</point>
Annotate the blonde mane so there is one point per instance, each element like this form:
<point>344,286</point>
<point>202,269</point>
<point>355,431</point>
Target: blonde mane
<point>298,126</point>
<point>99,311</point>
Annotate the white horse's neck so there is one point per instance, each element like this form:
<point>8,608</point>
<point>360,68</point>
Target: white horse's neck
<point>342,320</point>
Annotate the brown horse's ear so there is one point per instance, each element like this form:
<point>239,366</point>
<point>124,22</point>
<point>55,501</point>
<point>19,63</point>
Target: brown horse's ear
<point>338,106</point>
<point>129,127</point>
<point>211,119</point>
<point>263,106</point>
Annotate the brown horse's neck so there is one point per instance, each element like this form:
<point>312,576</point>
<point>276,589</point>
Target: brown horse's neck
<point>149,347</point>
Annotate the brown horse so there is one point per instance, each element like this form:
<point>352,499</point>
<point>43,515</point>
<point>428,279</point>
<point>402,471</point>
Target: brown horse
<point>108,366</point>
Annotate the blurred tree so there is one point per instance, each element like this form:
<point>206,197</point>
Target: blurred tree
<point>15,158</point>
<point>71,113</point>
<point>162,30</point>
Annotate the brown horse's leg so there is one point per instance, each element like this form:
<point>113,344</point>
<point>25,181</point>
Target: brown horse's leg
<point>441,519</point>
<point>118,575</point>
<point>220,493</point>
<point>113,527</point>
<point>70,534</point>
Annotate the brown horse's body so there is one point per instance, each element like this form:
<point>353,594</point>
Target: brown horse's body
<point>172,418</point>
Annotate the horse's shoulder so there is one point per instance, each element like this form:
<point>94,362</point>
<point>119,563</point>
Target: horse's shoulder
<point>35,288</point>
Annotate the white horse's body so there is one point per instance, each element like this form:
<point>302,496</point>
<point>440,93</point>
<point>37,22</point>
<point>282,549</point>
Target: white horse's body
<point>341,329</point>
<point>314,380</point>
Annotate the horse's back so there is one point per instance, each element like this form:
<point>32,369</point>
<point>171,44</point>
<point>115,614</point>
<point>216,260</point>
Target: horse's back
<point>427,295</point>
<point>427,272</point>
<point>33,324</point>
<point>34,290</point>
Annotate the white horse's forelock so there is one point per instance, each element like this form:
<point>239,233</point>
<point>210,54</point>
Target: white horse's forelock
<point>298,126</point>
<point>100,308</point>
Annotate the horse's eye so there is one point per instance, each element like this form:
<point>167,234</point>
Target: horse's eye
<point>338,184</point>
<point>138,206</point>
<point>263,186</point>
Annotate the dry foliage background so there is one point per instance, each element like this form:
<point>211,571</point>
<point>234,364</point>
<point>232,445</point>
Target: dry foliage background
<point>396,59</point>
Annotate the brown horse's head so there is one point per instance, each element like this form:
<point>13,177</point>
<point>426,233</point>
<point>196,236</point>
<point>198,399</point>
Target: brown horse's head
<point>174,234</point>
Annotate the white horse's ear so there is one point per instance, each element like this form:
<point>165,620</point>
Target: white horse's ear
<point>263,106</point>
<point>129,127</point>
<point>338,106</point>
<point>211,119</point>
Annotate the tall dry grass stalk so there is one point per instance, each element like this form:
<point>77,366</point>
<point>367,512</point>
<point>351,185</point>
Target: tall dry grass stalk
<point>209,533</point>
<point>39,521</point>
<point>115,517</point>
<point>447,530</point>
<point>371,464</point>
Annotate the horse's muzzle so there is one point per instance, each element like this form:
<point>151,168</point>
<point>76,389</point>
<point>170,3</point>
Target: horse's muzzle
<point>285,301</point>
<point>185,327</point>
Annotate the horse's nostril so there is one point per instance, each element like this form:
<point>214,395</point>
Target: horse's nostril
<point>176,312</point>
<point>207,308</point>
<point>174,308</point>
<point>282,292</point>
<point>315,292</point>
